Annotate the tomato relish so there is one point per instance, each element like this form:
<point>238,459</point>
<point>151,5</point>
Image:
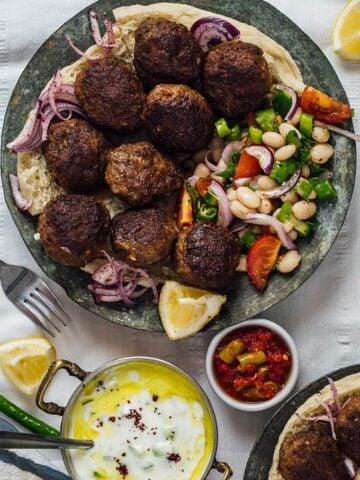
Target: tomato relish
<point>252,364</point>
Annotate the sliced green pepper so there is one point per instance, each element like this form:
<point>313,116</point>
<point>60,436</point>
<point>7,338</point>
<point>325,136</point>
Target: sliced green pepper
<point>207,213</point>
<point>282,102</point>
<point>306,124</point>
<point>266,118</point>
<point>325,190</point>
<point>210,198</point>
<point>255,134</point>
<point>222,128</point>
<point>248,239</point>
<point>235,133</point>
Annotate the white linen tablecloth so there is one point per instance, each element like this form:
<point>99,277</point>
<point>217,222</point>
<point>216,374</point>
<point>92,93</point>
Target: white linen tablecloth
<point>322,315</point>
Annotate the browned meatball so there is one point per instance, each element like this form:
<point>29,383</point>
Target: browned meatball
<point>178,118</point>
<point>347,429</point>
<point>166,52</point>
<point>236,78</point>
<point>138,174</point>
<point>311,456</point>
<point>206,256</point>
<point>111,94</point>
<point>73,229</point>
<point>143,237</point>
<point>75,155</point>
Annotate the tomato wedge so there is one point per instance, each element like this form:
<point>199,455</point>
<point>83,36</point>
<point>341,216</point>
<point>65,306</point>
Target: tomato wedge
<point>323,107</point>
<point>261,259</point>
<point>185,216</point>
<point>248,166</point>
<point>202,185</point>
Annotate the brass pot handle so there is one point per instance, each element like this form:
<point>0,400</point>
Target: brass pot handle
<point>224,468</point>
<point>72,369</point>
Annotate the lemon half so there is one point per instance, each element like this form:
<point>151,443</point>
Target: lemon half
<point>185,310</point>
<point>25,361</point>
<point>346,32</point>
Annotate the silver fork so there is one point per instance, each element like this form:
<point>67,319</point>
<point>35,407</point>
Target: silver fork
<point>33,297</point>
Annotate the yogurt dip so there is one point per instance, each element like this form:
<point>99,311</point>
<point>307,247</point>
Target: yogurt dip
<point>148,422</point>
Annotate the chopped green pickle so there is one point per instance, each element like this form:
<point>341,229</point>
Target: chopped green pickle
<point>229,352</point>
<point>325,190</point>
<point>282,102</point>
<point>266,118</point>
<point>306,124</point>
<point>246,359</point>
<point>255,135</point>
<point>222,128</point>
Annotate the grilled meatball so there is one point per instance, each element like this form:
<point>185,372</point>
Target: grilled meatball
<point>138,174</point>
<point>178,118</point>
<point>75,155</point>
<point>143,237</point>
<point>236,78</point>
<point>311,456</point>
<point>73,229</point>
<point>111,94</point>
<point>166,52</point>
<point>206,256</point>
<point>347,429</point>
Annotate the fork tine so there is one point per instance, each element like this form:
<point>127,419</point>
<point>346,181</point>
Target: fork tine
<point>40,309</point>
<point>27,310</point>
<point>47,292</point>
<point>47,304</point>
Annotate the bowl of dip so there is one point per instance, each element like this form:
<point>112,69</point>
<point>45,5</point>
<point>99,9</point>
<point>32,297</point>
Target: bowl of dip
<point>252,366</point>
<point>148,419</point>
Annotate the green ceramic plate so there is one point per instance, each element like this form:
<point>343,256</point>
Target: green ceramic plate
<point>244,302</point>
<point>260,460</point>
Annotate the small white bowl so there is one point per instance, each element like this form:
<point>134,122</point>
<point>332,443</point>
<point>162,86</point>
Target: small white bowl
<point>279,397</point>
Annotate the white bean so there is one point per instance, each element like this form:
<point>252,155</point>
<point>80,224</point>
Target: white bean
<point>242,264</point>
<point>296,118</point>
<point>266,183</point>
<point>303,209</point>
<point>293,235</point>
<point>217,142</point>
<point>199,156</point>
<point>221,164</point>
<point>290,197</point>
<point>273,139</point>
<point>285,152</point>
<point>247,197</point>
<point>289,261</point>
<point>321,153</point>
<point>231,194</point>
<point>265,206</point>
<point>239,210</point>
<point>285,128</point>
<point>320,134</point>
<point>202,170</point>
<point>217,178</point>
<point>305,171</point>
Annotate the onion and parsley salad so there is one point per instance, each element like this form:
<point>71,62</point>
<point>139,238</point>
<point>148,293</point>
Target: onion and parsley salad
<point>264,180</point>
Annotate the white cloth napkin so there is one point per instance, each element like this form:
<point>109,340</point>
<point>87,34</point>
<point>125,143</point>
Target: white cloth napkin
<point>322,316</point>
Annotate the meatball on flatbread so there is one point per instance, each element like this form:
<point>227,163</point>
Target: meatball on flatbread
<point>347,429</point>
<point>236,78</point>
<point>139,174</point>
<point>143,237</point>
<point>166,52</point>
<point>76,155</point>
<point>110,94</point>
<point>73,229</point>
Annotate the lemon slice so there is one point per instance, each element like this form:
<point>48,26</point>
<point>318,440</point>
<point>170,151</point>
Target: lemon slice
<point>25,361</point>
<point>346,32</point>
<point>186,310</point>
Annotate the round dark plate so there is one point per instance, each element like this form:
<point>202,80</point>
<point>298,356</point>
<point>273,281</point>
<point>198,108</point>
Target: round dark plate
<point>243,301</point>
<point>261,455</point>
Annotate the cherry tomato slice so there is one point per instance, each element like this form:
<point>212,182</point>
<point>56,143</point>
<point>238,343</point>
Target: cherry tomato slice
<point>248,166</point>
<point>202,185</point>
<point>323,107</point>
<point>261,259</point>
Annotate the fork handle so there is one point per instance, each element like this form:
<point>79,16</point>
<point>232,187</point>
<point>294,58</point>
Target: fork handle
<point>29,440</point>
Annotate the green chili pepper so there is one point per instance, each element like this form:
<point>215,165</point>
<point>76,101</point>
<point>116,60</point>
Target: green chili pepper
<point>282,171</point>
<point>306,124</point>
<point>210,198</point>
<point>255,134</point>
<point>282,102</point>
<point>193,193</point>
<point>305,188</point>
<point>207,213</point>
<point>235,133</point>
<point>325,190</point>
<point>229,172</point>
<point>248,239</point>
<point>292,137</point>
<point>266,118</point>
<point>222,128</point>
<point>25,419</point>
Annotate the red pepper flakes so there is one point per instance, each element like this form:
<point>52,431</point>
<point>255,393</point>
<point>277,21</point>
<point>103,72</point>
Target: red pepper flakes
<point>174,457</point>
<point>136,416</point>
<point>122,469</point>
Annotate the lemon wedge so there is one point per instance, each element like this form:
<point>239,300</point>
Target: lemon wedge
<point>186,310</point>
<point>346,32</point>
<point>25,361</point>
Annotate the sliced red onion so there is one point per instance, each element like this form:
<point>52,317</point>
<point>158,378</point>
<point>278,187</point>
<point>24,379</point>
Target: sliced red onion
<point>231,148</point>
<point>94,27</point>
<point>20,201</point>
<point>340,131</point>
<point>225,216</point>
<point>210,31</point>
<point>335,394</point>
<point>262,219</point>
<point>48,115</point>
<point>110,36</point>
<point>239,227</point>
<point>192,180</point>
<point>264,155</point>
<point>315,418</point>
<point>294,99</point>
<point>284,188</point>
<point>331,418</point>
<point>211,166</point>
<point>26,136</point>
<point>54,86</point>
<point>81,52</point>
<point>350,466</point>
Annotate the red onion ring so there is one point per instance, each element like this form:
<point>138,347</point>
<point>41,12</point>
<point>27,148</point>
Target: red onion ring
<point>225,216</point>
<point>294,99</point>
<point>279,191</point>
<point>231,148</point>
<point>264,155</point>
<point>48,115</point>
<point>210,165</point>
<point>262,219</point>
<point>20,201</point>
<point>94,28</point>
<point>54,87</point>
<point>210,31</point>
<point>340,131</point>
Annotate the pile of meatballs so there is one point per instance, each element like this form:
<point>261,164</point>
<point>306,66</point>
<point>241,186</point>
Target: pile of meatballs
<point>172,91</point>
